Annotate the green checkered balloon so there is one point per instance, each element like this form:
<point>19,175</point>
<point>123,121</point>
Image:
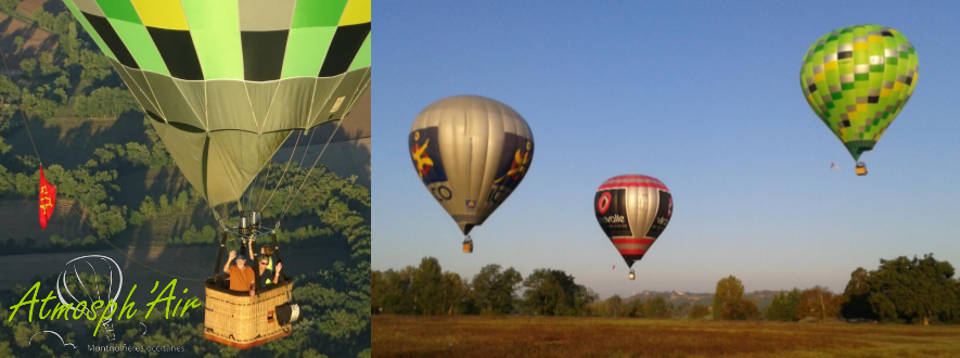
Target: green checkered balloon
<point>857,79</point>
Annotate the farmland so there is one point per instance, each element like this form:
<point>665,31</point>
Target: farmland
<point>510,336</point>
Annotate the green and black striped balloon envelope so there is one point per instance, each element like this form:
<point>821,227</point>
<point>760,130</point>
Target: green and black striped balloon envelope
<point>857,79</point>
<point>226,81</point>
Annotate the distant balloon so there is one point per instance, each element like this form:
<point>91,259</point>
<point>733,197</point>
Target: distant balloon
<point>633,211</point>
<point>857,79</point>
<point>471,152</point>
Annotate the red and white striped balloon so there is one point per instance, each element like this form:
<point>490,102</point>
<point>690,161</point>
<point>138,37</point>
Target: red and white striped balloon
<point>633,210</point>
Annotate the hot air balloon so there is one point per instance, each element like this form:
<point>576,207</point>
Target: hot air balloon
<point>225,83</point>
<point>471,152</point>
<point>633,210</point>
<point>857,79</point>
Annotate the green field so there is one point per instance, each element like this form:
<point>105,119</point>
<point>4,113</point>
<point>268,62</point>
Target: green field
<point>512,336</point>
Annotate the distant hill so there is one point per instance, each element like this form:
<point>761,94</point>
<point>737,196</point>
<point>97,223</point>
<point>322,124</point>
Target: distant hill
<point>761,298</point>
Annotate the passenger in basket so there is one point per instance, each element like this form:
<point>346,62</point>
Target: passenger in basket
<point>267,277</point>
<point>265,250</point>
<point>242,278</point>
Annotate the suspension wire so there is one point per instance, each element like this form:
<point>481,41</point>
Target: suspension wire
<point>216,216</point>
<point>306,150</point>
<point>151,268</point>
<point>283,212</point>
<point>26,125</point>
<point>285,169</point>
<point>267,177</point>
<point>140,263</point>
<point>128,257</point>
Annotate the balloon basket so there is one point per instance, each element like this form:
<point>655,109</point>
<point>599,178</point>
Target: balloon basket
<point>632,276</point>
<point>236,319</point>
<point>467,246</point>
<point>861,169</point>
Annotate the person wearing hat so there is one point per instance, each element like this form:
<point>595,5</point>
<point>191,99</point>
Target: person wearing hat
<point>242,278</point>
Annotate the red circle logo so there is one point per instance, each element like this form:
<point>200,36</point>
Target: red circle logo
<point>603,203</point>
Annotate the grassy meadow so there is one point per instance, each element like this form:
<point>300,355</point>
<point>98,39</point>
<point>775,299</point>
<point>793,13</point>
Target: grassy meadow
<point>519,336</point>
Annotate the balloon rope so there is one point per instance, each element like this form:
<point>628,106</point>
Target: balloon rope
<point>283,174</point>
<point>219,220</point>
<point>143,264</point>
<point>285,168</point>
<point>265,179</point>
<point>306,149</point>
<point>283,212</point>
<point>26,125</point>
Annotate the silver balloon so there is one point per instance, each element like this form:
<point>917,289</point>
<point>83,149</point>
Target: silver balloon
<point>471,152</point>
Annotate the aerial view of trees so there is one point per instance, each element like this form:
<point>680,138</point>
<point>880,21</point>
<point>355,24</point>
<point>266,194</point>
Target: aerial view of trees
<point>67,94</point>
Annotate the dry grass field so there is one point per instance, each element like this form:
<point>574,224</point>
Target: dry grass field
<point>497,337</point>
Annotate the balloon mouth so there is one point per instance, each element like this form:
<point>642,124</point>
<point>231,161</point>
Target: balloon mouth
<point>858,147</point>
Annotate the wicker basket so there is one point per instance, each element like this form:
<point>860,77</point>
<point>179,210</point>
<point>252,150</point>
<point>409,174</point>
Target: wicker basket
<point>242,321</point>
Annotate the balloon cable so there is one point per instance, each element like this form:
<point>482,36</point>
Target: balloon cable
<point>26,125</point>
<point>218,218</point>
<point>286,167</point>
<point>283,212</point>
<point>282,174</point>
<point>143,264</point>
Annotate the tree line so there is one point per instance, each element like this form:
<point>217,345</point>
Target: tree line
<point>427,290</point>
<point>902,290</point>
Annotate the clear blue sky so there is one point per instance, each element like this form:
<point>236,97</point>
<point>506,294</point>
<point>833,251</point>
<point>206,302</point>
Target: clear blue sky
<point>702,95</point>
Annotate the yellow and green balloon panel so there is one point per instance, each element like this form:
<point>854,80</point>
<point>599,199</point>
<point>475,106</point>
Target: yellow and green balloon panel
<point>227,81</point>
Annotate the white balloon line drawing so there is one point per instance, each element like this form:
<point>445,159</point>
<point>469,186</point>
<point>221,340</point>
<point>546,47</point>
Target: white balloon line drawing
<point>112,266</point>
<point>96,279</point>
<point>67,288</point>
<point>55,334</point>
<point>84,287</point>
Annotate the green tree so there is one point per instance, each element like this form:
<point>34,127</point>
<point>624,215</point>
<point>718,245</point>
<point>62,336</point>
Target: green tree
<point>634,308</point>
<point>453,293</point>
<point>914,291</point>
<point>614,306</point>
<point>729,291</point>
<point>699,311</point>
<point>27,65</point>
<point>104,102</point>
<point>741,309</point>
<point>819,303</point>
<point>555,293</point>
<point>378,290</point>
<point>784,306</point>
<point>391,291</point>
<point>656,307</point>
<point>427,287</point>
<point>493,290</point>
<point>9,6</point>
<point>4,147</point>
<point>856,295</point>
